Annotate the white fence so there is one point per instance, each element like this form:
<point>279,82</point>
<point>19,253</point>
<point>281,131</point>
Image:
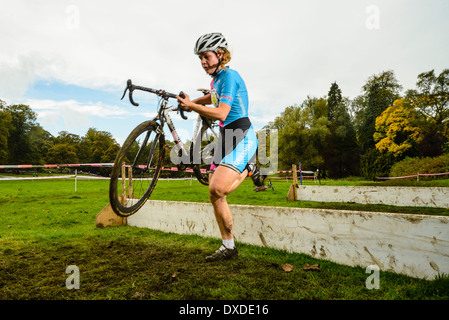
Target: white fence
<point>415,245</point>
<point>397,196</point>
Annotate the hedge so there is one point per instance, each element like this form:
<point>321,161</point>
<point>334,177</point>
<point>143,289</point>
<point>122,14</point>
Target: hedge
<point>411,166</point>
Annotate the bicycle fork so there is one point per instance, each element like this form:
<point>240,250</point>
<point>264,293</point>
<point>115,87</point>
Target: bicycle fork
<point>147,164</point>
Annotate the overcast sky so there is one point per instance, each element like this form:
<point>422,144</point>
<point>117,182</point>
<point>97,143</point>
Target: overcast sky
<point>69,60</point>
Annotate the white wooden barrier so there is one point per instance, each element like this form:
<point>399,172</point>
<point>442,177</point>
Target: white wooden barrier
<point>416,245</point>
<point>396,196</point>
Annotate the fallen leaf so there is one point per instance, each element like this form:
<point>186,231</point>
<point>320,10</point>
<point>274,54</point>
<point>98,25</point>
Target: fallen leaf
<point>313,267</point>
<point>287,267</point>
<point>138,295</point>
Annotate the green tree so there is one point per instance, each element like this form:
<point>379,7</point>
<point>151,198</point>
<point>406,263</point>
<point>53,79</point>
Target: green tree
<point>40,141</point>
<point>379,92</point>
<point>302,131</point>
<point>62,153</point>
<point>334,100</point>
<point>98,147</point>
<point>433,96</point>
<point>110,154</point>
<point>375,164</point>
<point>23,119</point>
<point>431,99</point>
<point>67,137</point>
<point>291,131</point>
<point>65,149</point>
<point>341,152</point>
<point>6,126</point>
<point>94,145</point>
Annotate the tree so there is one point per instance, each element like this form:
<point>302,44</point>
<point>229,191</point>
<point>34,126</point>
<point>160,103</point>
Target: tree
<point>40,141</point>
<point>398,130</point>
<point>62,153</point>
<point>290,127</point>
<point>433,96</point>
<point>5,127</point>
<point>94,145</point>
<point>374,164</point>
<point>334,100</point>
<point>65,149</point>
<point>379,92</point>
<point>110,154</point>
<point>302,131</point>
<point>341,152</point>
<point>97,147</point>
<point>23,119</point>
<point>431,99</point>
<point>67,137</point>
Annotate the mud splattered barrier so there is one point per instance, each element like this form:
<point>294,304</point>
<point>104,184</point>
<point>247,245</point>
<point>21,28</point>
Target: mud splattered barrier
<point>416,245</point>
<point>397,196</point>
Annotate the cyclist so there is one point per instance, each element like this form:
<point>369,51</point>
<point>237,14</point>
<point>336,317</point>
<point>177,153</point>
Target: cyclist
<point>237,138</point>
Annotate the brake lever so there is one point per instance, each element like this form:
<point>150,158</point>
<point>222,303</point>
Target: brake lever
<point>130,87</point>
<point>124,92</point>
<point>181,110</point>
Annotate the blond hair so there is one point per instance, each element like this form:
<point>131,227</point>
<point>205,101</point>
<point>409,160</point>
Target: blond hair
<point>226,57</point>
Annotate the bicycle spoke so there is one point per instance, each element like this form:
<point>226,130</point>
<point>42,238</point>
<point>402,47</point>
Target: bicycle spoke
<point>142,146</point>
<point>153,148</point>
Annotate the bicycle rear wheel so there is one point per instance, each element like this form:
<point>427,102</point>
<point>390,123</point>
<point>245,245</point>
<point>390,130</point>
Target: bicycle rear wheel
<point>141,159</point>
<point>203,154</point>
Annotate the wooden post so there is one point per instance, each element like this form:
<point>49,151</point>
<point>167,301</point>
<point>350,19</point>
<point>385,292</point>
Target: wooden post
<point>123,184</point>
<point>292,192</point>
<point>130,183</point>
<point>295,175</point>
<point>107,217</point>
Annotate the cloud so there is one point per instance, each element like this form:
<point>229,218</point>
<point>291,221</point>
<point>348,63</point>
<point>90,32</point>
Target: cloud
<point>17,74</point>
<point>71,114</point>
<point>284,50</point>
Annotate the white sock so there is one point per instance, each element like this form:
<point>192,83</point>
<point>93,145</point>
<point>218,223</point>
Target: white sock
<point>229,243</point>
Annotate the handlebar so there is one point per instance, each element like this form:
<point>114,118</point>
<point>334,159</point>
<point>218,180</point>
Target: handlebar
<point>162,93</point>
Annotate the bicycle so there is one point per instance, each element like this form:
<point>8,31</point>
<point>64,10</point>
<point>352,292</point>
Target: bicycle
<point>263,187</point>
<point>144,149</point>
<point>144,154</point>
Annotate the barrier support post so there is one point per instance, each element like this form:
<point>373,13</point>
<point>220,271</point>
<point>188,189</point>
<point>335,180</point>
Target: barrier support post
<point>292,192</point>
<point>107,217</point>
<point>130,182</point>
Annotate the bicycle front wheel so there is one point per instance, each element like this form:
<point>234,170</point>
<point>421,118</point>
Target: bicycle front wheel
<point>140,160</point>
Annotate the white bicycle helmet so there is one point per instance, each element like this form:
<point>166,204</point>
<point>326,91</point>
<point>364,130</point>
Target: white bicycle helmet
<point>210,42</point>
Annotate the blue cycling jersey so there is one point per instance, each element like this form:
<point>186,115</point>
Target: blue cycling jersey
<point>230,89</point>
<point>238,141</point>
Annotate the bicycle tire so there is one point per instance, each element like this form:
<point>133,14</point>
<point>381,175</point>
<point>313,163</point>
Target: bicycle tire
<point>204,154</point>
<point>206,150</point>
<point>145,169</point>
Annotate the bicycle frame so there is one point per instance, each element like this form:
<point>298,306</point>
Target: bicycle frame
<point>164,118</point>
<point>150,135</point>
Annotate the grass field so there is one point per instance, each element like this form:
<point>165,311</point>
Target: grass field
<point>46,227</point>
